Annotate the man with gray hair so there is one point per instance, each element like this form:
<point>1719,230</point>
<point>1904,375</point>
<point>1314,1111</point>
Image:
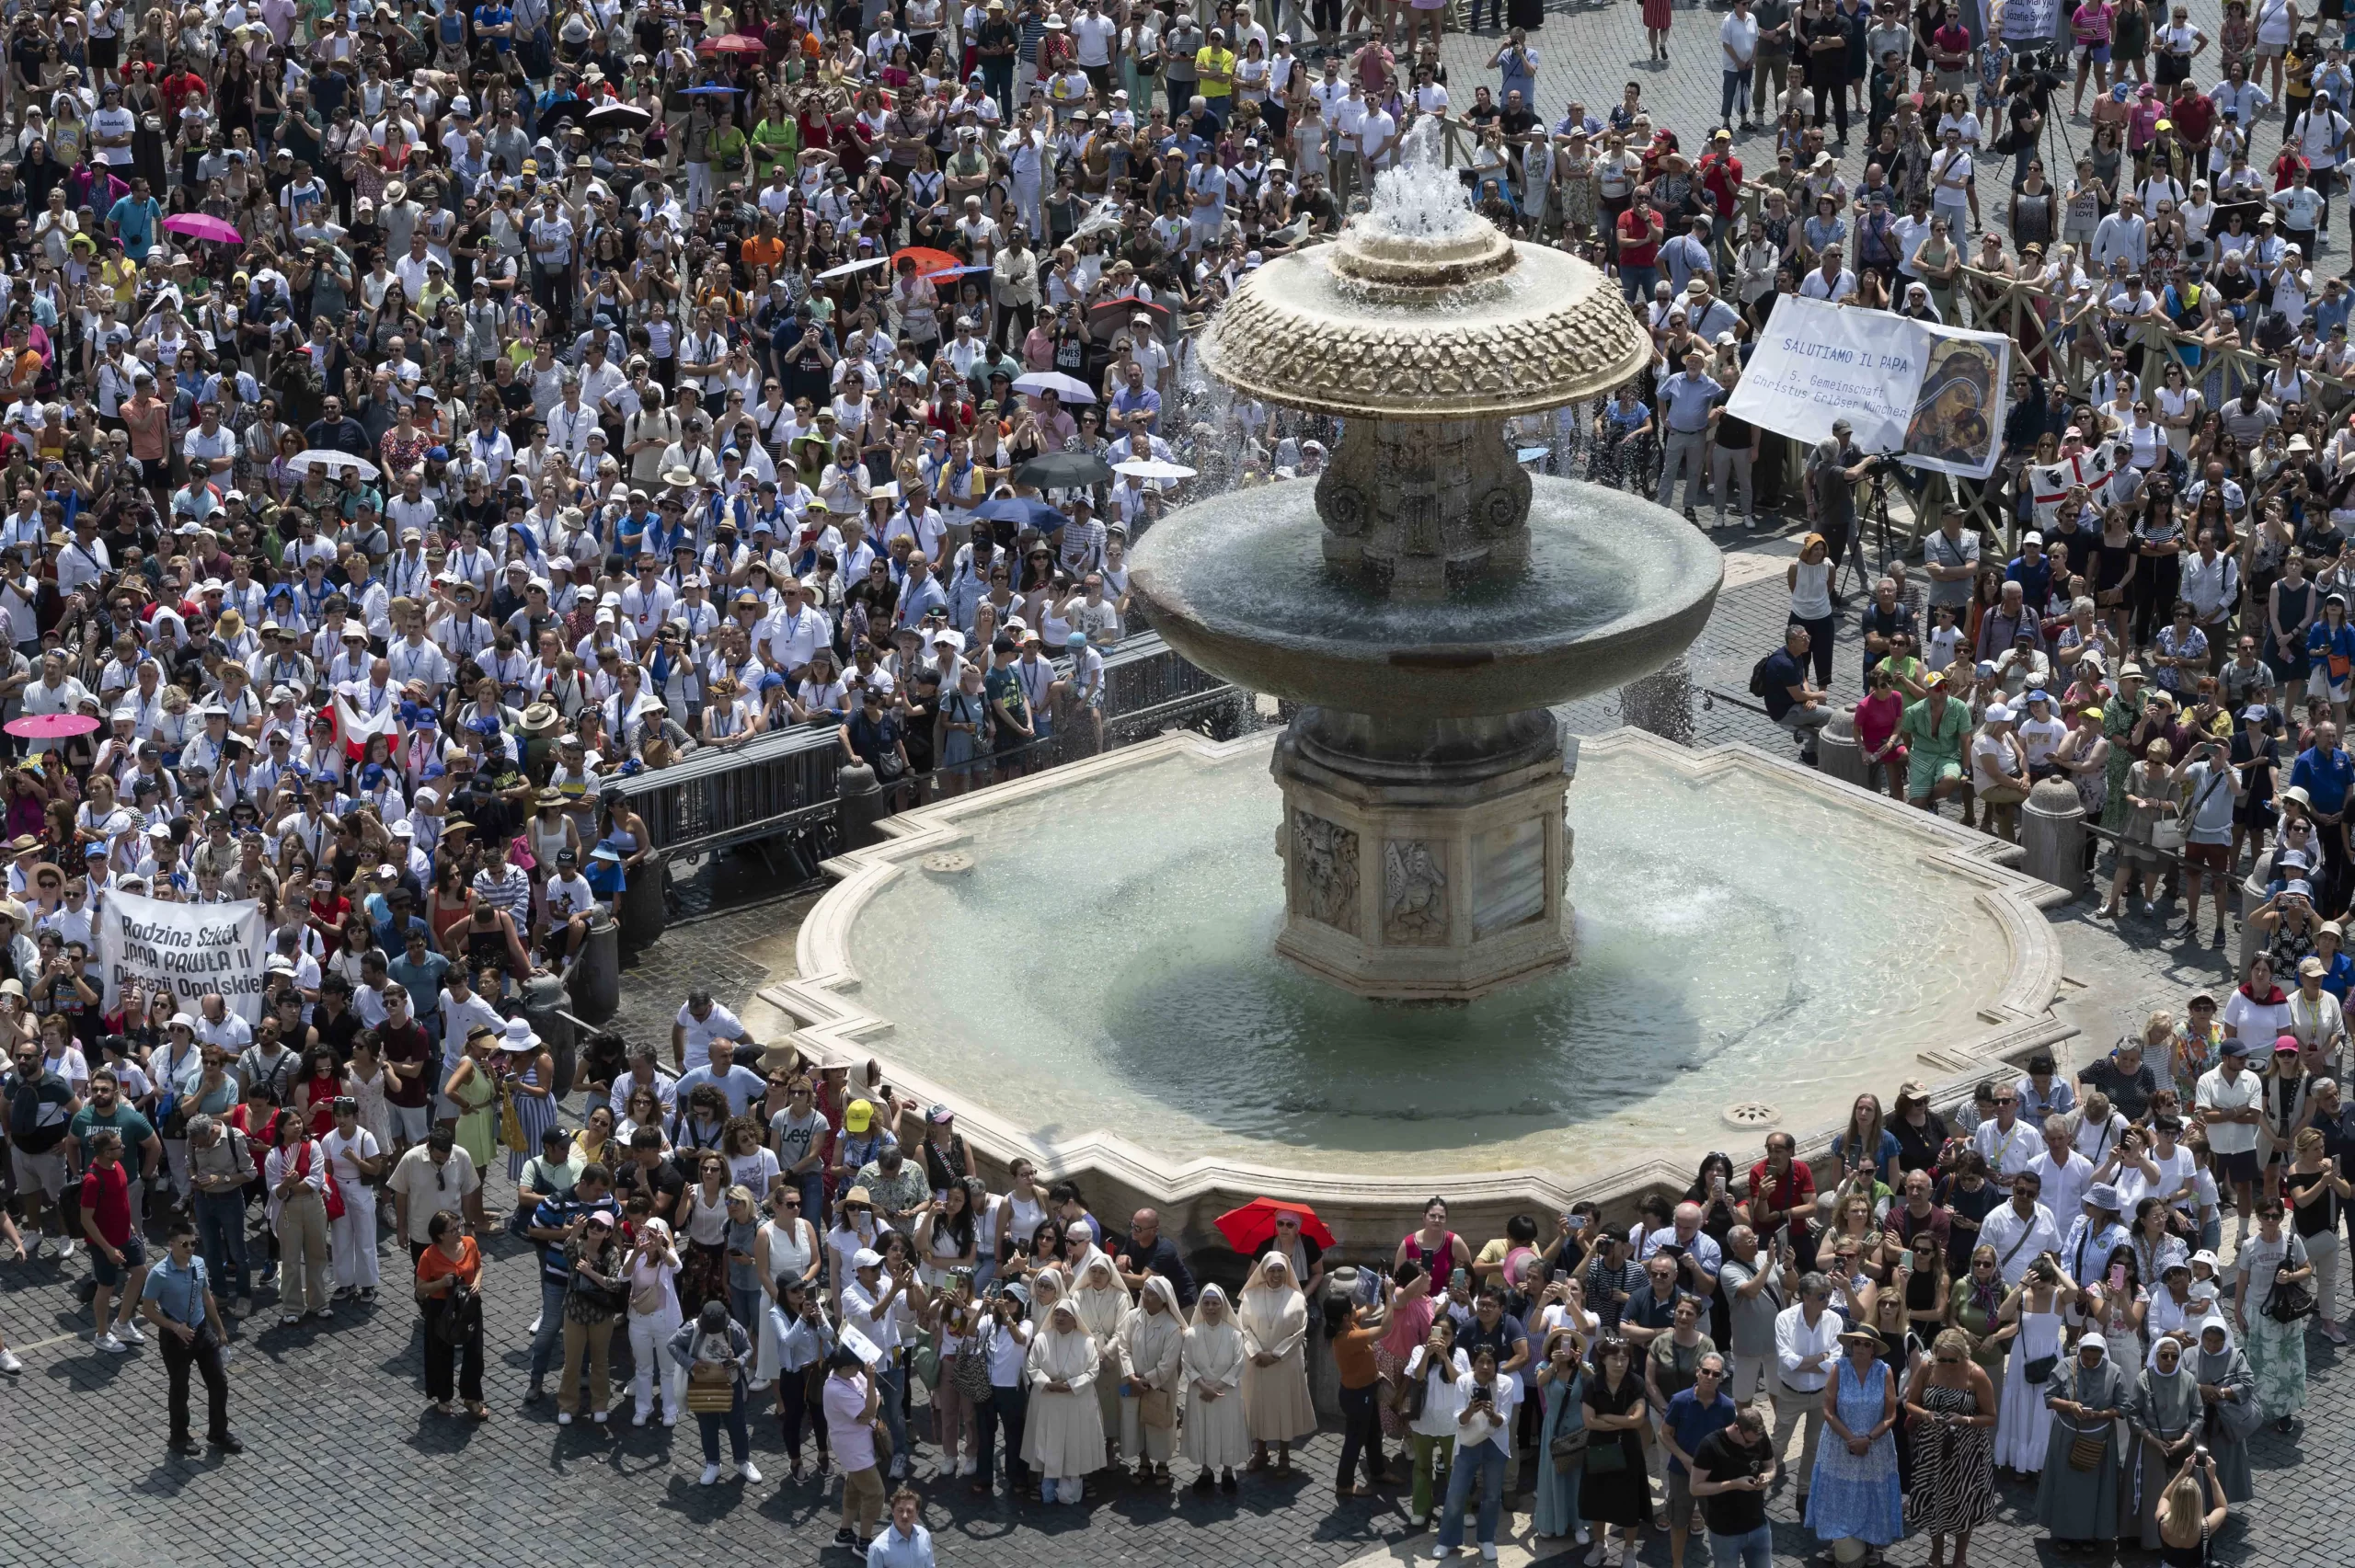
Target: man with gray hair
<point>1807,1343</point>
<point>1750,1281</point>
<point>220,1162</point>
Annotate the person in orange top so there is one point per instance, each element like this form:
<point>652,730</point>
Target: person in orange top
<point>765,248</point>
<point>452,1327</point>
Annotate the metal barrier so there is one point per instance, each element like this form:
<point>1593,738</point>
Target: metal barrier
<point>782,784</point>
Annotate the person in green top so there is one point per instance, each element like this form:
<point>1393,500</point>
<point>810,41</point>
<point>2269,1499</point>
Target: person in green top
<point>2119,715</point>
<point>1004,691</point>
<point>1935,729</point>
<point>1214,66</point>
<point>142,1151</point>
<point>775,140</point>
<point>729,162</point>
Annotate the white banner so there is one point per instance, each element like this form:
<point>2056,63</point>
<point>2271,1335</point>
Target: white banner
<point>1932,396</point>
<point>2095,468</point>
<point>191,948</point>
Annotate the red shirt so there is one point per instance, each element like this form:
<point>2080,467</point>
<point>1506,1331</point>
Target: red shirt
<point>2195,117</point>
<point>1797,1186</point>
<point>409,1046</point>
<point>1721,177</point>
<point>106,1193</point>
<point>1638,241</point>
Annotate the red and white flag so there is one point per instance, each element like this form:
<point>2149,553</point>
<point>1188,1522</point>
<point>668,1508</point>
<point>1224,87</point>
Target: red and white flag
<point>2049,483</point>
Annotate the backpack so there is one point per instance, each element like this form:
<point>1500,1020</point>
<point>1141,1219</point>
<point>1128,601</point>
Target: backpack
<point>1762,682</point>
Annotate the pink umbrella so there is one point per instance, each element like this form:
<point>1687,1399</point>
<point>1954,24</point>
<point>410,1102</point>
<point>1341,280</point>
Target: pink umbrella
<point>52,726</point>
<point>202,225</point>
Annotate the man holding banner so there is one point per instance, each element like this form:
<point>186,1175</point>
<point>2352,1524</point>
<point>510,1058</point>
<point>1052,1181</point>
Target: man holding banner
<point>191,951</point>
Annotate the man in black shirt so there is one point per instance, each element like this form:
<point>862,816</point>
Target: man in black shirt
<point>1732,1473</point>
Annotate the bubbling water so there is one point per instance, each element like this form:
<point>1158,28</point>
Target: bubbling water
<point>1421,197</point>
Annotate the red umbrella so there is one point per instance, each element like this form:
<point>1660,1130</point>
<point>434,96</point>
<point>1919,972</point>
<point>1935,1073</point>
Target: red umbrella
<point>53,726</point>
<point>1248,1229</point>
<point>926,259</point>
<point>731,43</point>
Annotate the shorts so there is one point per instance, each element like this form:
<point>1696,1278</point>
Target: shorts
<point>1925,773</point>
<point>110,1273</point>
<point>2271,51</point>
<point>410,1123</point>
<point>1680,1497</point>
<point>43,1172</point>
<point>2320,684</point>
<point>2238,1167</point>
<point>2207,857</point>
<point>2097,52</point>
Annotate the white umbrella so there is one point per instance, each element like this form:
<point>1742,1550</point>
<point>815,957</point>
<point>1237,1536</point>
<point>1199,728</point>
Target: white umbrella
<point>847,267</point>
<point>1071,389</point>
<point>1154,468</point>
<point>330,461</point>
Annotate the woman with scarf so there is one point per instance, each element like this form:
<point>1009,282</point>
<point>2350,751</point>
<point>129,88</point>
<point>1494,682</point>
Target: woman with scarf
<point>1063,1438</point>
<point>1951,1403</point>
<point>2078,1496</point>
<point>1216,1436</point>
<point>2231,1410</point>
<point>1102,1302</point>
<point>2166,1420</point>
<point>1151,1349</point>
<point>1855,1494</point>
<point>1273,1316</point>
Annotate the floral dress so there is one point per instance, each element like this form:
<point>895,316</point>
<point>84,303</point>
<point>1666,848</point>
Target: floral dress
<point>1857,1495</point>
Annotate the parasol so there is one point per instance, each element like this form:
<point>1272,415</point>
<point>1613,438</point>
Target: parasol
<point>330,461</point>
<point>1071,389</point>
<point>708,90</point>
<point>1154,468</point>
<point>619,116</point>
<point>948,272</point>
<point>1107,316</point>
<point>52,726</point>
<point>1253,1226</point>
<point>731,43</point>
<point>204,225</point>
<point>926,259</point>
<point>1023,512</point>
<point>1061,470</point>
<point>847,267</point>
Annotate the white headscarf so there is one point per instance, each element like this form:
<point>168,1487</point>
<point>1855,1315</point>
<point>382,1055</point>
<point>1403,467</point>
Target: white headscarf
<point>1047,1288</point>
<point>1063,1351</point>
<point>1151,1342</point>
<point>1273,1313</point>
<point>1214,1349</point>
<point>1102,1298</point>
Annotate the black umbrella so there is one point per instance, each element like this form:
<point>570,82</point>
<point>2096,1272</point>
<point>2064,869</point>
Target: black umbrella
<point>619,116</point>
<point>1061,469</point>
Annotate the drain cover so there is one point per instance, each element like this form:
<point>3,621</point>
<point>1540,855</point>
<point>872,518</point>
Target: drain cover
<point>1751,1113</point>
<point>947,863</point>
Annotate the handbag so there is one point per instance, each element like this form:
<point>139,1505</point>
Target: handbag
<point>1408,1396</point>
<point>448,1324</point>
<point>925,1362</point>
<point>711,1389</point>
<point>2041,1368</point>
<point>1156,1410</point>
<point>971,1372</point>
<point>1604,1458</point>
<point>2288,1303</point>
<point>1569,1450</point>
<point>2084,1453</point>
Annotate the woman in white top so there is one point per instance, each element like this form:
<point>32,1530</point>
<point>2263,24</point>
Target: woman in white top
<point>785,1251</point>
<point>1809,578</point>
<point>947,1237</point>
<point>2177,407</point>
<point>1016,1213</point>
<point>805,1338</point>
<point>1443,1370</point>
<point>354,1155</point>
<point>653,1274</point>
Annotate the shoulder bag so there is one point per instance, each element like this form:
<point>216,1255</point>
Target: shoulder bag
<point>711,1388</point>
<point>2288,1303</point>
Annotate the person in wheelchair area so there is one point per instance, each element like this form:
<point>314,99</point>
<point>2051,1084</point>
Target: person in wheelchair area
<point>1623,438</point>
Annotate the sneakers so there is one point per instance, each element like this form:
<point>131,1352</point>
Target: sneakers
<point>325,1312</point>
<point>711,1477</point>
<point>66,1249</point>
<point>898,1467</point>
<point>1442,1551</point>
<point>749,1472</point>
<point>599,1417</point>
<point>564,1418</point>
<point>10,1364</point>
<point>110,1345</point>
<point>1489,1549</point>
<point>639,1418</point>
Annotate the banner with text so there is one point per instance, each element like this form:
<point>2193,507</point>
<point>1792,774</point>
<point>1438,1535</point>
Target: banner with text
<point>191,948</point>
<point>1932,396</point>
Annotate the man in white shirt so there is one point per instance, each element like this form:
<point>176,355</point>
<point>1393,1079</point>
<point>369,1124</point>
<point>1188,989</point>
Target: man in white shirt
<point>1807,1347</point>
<point>2064,1173</point>
<point>699,1023</point>
<point>2008,1144</point>
<point>2021,1230</point>
<point>875,1304</point>
<point>2228,1101</point>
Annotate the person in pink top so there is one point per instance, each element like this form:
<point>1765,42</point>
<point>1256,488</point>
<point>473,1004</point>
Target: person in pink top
<point>2090,27</point>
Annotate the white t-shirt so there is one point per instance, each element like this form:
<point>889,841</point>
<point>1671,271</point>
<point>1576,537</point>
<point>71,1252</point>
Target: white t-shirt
<point>2240,1093</point>
<point>721,1026</point>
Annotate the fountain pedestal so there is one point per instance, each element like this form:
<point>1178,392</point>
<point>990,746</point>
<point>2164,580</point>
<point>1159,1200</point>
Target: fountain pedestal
<point>1439,874</point>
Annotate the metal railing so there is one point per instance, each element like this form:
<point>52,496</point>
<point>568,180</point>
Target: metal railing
<point>783,784</point>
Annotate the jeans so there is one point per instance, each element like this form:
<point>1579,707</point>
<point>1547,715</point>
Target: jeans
<point>1484,1462</point>
<point>1006,1407</point>
<point>740,1440</point>
<point>1362,1437</point>
<point>892,1389</point>
<point>454,1370</point>
<point>1755,1550</point>
<point>1729,96</point>
<point>221,1232</point>
<point>551,1333</point>
<point>203,1355</point>
<point>1636,283</point>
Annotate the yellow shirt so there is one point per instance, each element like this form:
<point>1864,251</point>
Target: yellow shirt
<point>1209,61</point>
<point>121,275</point>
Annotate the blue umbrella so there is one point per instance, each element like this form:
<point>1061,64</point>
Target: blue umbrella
<point>707,91</point>
<point>954,272</point>
<point>1023,512</point>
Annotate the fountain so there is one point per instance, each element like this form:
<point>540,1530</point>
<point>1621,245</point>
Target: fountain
<point>1094,966</point>
<point>1427,597</point>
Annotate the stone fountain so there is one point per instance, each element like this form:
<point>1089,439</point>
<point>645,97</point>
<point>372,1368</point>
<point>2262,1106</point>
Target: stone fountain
<point>1425,599</point>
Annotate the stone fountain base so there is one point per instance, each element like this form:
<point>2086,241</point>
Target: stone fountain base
<point>1424,867</point>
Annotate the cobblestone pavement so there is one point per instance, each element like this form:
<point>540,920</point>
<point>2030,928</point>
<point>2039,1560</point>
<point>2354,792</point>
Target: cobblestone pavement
<point>344,1466</point>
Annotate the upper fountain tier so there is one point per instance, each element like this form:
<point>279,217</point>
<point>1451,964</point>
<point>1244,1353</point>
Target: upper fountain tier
<point>1423,310</point>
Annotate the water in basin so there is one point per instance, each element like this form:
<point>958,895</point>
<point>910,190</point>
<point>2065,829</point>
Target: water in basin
<point>1597,560</point>
<point>1106,965</point>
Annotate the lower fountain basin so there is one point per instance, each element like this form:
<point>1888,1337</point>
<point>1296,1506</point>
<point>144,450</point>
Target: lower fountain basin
<point>1099,990</point>
<point>1614,588</point>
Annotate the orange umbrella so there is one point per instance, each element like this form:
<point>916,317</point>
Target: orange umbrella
<point>926,259</point>
<point>1251,1227</point>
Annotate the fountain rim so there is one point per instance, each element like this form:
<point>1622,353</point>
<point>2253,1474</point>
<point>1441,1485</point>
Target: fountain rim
<point>823,997</point>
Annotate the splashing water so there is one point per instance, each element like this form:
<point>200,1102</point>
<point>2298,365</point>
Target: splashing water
<point>1421,197</point>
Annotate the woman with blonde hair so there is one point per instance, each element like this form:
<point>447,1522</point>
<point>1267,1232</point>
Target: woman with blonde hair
<point>2149,795</point>
<point>1951,1403</point>
<point>1216,1436</point>
<point>2187,1523</point>
<point>1273,1316</point>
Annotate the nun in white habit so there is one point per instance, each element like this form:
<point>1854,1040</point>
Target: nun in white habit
<point>1273,1316</point>
<point>1063,1440</point>
<point>1152,1352</point>
<point>1216,1436</point>
<point>1102,1301</point>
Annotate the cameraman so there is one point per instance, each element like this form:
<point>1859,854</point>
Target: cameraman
<point>2029,94</point>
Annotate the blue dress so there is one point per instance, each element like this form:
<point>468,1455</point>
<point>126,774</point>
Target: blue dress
<point>1857,1495</point>
<point>1557,1491</point>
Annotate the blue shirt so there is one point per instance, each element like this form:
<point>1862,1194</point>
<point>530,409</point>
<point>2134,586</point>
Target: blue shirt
<point>892,1550</point>
<point>742,1085</point>
<point>495,17</point>
<point>1690,1422</point>
<point>179,1292</point>
<point>2325,780</point>
<point>2036,581</point>
<point>555,1214</point>
<point>135,221</point>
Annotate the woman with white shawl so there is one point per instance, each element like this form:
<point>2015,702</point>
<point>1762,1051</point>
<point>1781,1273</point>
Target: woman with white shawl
<point>1152,1351</point>
<point>1273,1316</point>
<point>1063,1437</point>
<point>2166,1420</point>
<point>1048,1288</point>
<point>1101,1300</point>
<point>1216,1436</point>
<point>2228,1390</point>
<point>2077,1497</point>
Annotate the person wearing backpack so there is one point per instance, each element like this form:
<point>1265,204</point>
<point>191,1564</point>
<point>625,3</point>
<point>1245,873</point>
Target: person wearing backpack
<point>1780,681</point>
<point>220,1163</point>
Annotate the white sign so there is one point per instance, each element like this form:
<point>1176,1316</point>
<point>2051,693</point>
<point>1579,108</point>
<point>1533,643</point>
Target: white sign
<point>193,949</point>
<point>1932,395</point>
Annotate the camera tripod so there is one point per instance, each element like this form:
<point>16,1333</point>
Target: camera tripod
<point>1876,513</point>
